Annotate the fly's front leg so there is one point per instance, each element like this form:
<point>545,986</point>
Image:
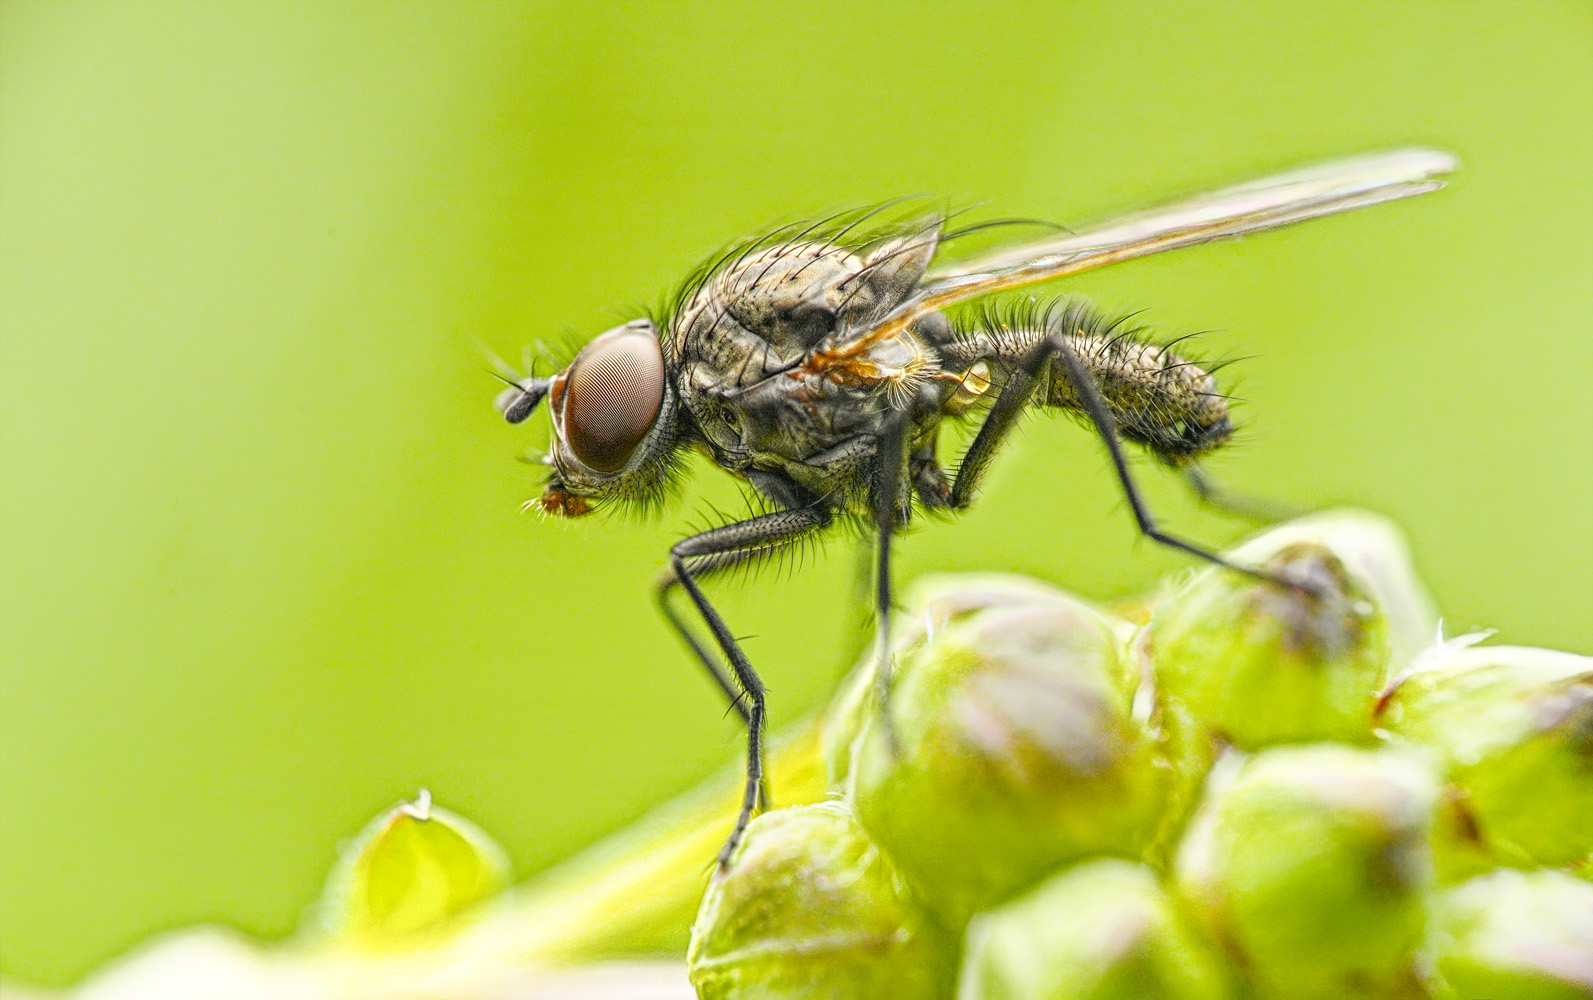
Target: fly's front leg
<point>704,566</point>
<point>719,548</point>
<point>666,585</point>
<point>1032,361</point>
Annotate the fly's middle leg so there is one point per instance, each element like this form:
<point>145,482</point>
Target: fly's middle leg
<point>891,509</point>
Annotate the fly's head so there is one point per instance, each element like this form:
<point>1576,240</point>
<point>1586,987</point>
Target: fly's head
<point>614,422</point>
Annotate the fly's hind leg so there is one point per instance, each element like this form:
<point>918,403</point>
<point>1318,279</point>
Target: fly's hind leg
<point>1252,508</point>
<point>717,549</point>
<point>1041,362</point>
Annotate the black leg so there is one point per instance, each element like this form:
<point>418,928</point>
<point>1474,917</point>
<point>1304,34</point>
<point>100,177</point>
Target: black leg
<point>1106,426</point>
<point>1023,378</point>
<point>785,496</point>
<point>665,586</point>
<point>1219,497</point>
<point>892,508</point>
<point>719,548</point>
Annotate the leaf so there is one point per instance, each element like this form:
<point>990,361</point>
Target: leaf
<point>410,871</point>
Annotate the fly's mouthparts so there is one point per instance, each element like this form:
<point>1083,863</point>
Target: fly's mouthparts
<point>560,502</point>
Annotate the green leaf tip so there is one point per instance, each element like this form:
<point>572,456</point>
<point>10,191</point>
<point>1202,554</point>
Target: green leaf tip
<point>409,872</point>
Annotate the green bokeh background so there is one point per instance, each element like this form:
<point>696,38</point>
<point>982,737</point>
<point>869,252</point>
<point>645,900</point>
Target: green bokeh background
<point>264,571</point>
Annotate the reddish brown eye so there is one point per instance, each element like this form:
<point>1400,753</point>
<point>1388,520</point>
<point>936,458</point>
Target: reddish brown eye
<point>611,396</point>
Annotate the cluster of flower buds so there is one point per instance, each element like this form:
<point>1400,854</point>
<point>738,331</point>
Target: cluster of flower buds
<point>1248,791</point>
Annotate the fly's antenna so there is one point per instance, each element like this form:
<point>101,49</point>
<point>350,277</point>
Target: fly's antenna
<point>518,401</point>
<point>521,398</point>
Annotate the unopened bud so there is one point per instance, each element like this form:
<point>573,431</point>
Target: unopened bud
<point>1014,749</point>
<point>1253,663</point>
<point>1514,728</point>
<point>1374,552</point>
<point>934,602</point>
<point>810,908</point>
<point>1311,865</point>
<point>1513,934</point>
<point>1105,930</point>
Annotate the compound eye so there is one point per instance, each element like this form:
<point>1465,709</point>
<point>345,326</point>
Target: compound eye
<point>612,394</point>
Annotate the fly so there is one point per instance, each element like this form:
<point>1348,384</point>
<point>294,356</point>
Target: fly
<point>818,367</point>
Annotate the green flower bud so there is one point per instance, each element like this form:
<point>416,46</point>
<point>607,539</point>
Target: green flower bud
<point>1374,552</point>
<point>811,908</point>
<point>1236,660</point>
<point>1524,935</point>
<point>935,601</point>
<point>1105,930</point>
<point>1311,865</point>
<point>1514,727</point>
<point>408,871</point>
<point>1252,663</point>
<point>1015,750</point>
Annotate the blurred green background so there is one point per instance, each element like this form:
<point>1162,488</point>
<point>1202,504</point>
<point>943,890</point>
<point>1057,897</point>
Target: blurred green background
<point>264,571</point>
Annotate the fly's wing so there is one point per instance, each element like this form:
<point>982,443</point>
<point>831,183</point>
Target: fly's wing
<point>1307,193</point>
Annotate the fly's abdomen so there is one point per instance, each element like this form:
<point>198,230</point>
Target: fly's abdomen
<point>1167,404</point>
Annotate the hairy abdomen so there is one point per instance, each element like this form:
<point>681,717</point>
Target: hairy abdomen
<point>1161,401</point>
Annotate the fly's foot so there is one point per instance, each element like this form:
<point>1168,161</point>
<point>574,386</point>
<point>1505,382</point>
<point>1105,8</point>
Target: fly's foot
<point>882,696</point>
<point>1302,582</point>
<point>893,741</point>
<point>722,863</point>
<point>1319,610</point>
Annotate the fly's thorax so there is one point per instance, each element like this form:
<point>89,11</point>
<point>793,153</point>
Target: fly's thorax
<point>764,312</point>
<point>800,414</point>
<point>769,308</point>
<point>744,340</point>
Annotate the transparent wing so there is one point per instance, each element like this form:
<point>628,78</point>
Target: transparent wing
<point>1267,203</point>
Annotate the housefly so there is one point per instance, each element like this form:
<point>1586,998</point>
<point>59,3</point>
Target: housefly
<point>816,364</point>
